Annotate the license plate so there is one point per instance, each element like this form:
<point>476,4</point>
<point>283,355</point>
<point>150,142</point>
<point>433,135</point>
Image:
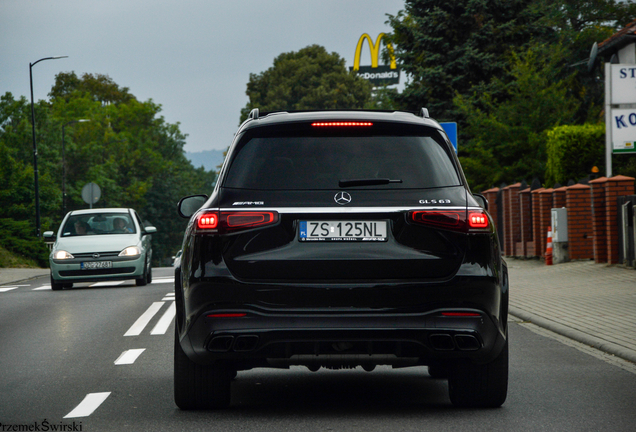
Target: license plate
<point>342,231</point>
<point>96,265</point>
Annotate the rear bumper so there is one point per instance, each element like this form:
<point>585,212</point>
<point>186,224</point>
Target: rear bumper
<point>398,324</point>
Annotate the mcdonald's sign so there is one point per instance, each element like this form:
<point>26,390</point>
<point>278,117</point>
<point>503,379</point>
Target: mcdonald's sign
<point>376,74</point>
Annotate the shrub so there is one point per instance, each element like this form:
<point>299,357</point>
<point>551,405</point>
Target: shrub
<point>17,237</point>
<point>572,152</point>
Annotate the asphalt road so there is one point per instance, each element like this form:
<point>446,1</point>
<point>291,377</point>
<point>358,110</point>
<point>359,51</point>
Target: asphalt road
<point>100,358</point>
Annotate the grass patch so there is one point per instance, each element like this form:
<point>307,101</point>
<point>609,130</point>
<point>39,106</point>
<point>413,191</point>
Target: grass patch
<point>11,260</point>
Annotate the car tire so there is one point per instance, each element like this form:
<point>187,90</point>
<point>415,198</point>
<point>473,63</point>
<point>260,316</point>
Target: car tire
<point>480,386</point>
<point>56,286</point>
<point>143,280</point>
<point>199,386</point>
<point>438,371</point>
<point>149,275</point>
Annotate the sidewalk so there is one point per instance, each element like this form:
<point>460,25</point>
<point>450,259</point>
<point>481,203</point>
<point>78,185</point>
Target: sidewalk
<point>11,275</point>
<point>594,304</point>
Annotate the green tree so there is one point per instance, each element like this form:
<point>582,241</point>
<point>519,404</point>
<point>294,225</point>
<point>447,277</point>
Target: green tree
<point>578,25</point>
<point>127,148</point>
<point>508,131</point>
<point>310,78</point>
<point>458,46</point>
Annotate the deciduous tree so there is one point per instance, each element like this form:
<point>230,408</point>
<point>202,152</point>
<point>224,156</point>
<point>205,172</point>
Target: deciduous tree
<point>310,78</point>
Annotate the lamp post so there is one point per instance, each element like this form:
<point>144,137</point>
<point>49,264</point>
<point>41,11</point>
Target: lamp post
<point>64,164</point>
<point>35,148</point>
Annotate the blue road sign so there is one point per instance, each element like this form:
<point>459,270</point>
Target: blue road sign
<point>451,131</point>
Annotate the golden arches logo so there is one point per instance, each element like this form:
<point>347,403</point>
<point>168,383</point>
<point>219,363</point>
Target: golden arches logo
<point>375,52</point>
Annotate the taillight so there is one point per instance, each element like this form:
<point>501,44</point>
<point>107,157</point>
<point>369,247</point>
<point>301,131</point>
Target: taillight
<point>224,222</point>
<point>444,219</point>
<point>342,124</point>
<point>477,219</point>
<point>208,221</point>
<point>227,315</point>
<point>454,220</point>
<point>460,314</point>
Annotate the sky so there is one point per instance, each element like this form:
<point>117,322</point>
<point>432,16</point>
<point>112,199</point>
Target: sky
<point>193,57</point>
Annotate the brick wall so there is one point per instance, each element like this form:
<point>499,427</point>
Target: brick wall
<point>537,234</point>
<point>580,227</point>
<point>592,217</point>
<point>545,217</point>
<point>558,197</point>
<point>512,225</point>
<point>598,219</point>
<point>491,196</point>
<point>526,247</point>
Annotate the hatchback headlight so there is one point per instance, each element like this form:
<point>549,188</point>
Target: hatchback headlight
<point>62,255</point>
<point>130,251</point>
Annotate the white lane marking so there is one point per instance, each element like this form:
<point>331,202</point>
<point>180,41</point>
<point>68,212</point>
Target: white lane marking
<point>162,280</point>
<point>91,402</point>
<point>5,289</point>
<point>42,288</point>
<point>144,319</point>
<point>164,322</point>
<point>169,296</point>
<point>99,284</point>
<point>129,357</point>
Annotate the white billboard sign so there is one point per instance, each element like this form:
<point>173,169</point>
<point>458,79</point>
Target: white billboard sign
<point>623,84</point>
<point>623,130</point>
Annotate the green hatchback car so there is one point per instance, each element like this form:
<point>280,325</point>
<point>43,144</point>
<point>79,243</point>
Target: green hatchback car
<point>93,245</point>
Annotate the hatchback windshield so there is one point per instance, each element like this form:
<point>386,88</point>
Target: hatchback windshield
<point>330,162</point>
<point>98,224</point>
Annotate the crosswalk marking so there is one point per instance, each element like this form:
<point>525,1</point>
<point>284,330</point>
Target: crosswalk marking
<point>129,357</point>
<point>99,284</point>
<point>5,289</point>
<point>91,402</point>
<point>163,280</point>
<point>164,322</point>
<point>45,287</point>
<point>144,319</point>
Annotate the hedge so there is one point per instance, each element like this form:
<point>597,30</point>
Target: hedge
<point>573,151</point>
<point>18,237</point>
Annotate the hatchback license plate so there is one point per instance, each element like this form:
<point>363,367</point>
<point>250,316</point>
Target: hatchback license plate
<point>91,265</point>
<point>343,231</point>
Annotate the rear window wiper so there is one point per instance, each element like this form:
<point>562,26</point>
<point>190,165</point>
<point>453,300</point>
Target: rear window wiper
<point>366,182</point>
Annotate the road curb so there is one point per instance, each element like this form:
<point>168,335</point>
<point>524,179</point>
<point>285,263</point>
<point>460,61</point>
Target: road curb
<point>600,344</point>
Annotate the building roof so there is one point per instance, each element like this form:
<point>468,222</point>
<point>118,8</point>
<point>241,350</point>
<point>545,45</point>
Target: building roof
<point>618,40</point>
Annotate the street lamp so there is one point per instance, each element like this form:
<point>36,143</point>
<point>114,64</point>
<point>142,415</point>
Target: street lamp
<point>64,164</point>
<point>35,148</point>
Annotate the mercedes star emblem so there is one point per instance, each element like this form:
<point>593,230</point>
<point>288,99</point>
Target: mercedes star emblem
<point>342,198</point>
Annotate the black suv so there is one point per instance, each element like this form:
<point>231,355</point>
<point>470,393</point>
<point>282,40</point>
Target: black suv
<point>339,239</point>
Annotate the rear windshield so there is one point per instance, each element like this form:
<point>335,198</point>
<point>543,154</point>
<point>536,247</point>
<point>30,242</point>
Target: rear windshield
<point>98,224</point>
<point>322,162</point>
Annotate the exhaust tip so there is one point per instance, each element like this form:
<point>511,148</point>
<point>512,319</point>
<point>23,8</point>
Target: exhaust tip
<point>245,343</point>
<point>221,344</point>
<point>467,342</point>
<point>442,342</point>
